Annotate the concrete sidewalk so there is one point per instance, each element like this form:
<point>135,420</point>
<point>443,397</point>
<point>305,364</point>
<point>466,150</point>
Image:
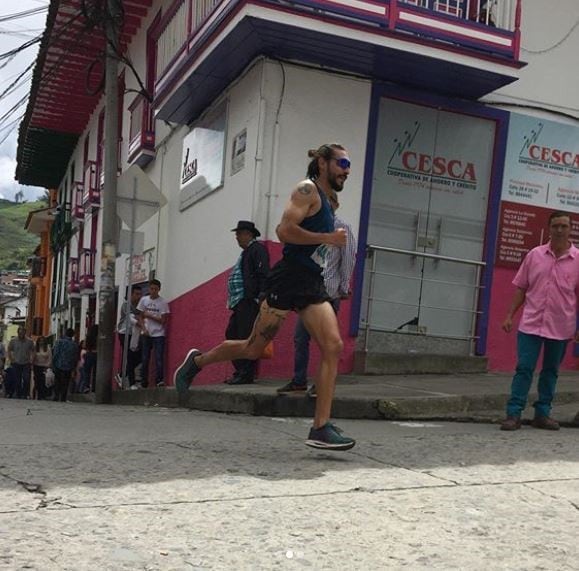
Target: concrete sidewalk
<point>469,397</point>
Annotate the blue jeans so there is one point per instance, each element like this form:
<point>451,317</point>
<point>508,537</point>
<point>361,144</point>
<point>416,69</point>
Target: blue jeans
<point>302,349</point>
<point>158,344</point>
<point>528,349</point>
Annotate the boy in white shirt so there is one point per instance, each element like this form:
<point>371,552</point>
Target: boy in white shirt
<point>153,313</point>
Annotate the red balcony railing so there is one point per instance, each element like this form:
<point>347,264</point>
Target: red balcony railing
<point>141,132</point>
<point>77,200</point>
<point>490,26</point>
<point>92,194</point>
<point>86,275</point>
<point>73,286</point>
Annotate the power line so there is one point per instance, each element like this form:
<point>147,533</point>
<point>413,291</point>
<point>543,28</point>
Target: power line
<point>25,14</point>
<point>23,77</point>
<point>556,44</point>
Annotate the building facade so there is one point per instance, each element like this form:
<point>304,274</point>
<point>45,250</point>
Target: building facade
<point>460,121</point>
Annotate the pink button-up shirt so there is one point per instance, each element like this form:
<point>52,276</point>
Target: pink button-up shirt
<point>551,285</point>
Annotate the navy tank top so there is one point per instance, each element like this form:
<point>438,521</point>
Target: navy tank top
<point>313,256</point>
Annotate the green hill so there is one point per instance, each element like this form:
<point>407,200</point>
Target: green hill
<point>16,244</point>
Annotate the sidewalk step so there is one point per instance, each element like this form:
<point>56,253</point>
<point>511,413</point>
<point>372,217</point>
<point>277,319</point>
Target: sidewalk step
<point>262,400</point>
<point>374,363</point>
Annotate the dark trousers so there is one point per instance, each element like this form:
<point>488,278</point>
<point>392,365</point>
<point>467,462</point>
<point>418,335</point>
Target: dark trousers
<point>40,382</point>
<point>9,382</point>
<point>158,345</point>
<point>133,359</point>
<point>240,324</point>
<point>89,370</point>
<point>302,348</point>
<point>62,381</point>
<point>22,373</point>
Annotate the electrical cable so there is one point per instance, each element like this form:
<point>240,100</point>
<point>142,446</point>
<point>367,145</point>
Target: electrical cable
<point>73,42</point>
<point>555,45</point>
<point>25,14</point>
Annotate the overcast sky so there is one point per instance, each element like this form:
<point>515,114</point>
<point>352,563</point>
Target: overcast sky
<point>13,34</point>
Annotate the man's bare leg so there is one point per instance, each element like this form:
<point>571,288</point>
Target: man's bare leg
<point>321,322</point>
<point>265,328</point>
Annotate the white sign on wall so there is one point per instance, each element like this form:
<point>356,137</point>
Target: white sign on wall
<point>203,159</point>
<point>238,152</point>
<point>542,164</point>
<point>421,150</point>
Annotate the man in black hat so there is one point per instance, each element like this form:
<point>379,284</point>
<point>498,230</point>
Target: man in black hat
<point>246,282</point>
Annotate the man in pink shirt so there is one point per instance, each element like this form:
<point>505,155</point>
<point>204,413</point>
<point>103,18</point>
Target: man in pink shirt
<point>547,284</point>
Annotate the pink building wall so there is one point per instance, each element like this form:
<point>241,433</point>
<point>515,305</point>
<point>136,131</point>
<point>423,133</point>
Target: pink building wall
<point>199,318</point>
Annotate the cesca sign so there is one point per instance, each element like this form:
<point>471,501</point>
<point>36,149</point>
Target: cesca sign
<point>554,156</point>
<point>439,166</point>
<point>542,164</point>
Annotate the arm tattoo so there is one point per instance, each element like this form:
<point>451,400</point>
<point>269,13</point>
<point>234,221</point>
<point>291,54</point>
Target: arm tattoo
<point>304,188</point>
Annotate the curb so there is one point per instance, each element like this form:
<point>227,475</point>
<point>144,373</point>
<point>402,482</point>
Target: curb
<point>458,408</point>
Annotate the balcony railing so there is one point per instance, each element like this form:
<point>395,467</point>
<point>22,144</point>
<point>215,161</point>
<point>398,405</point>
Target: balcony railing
<point>494,13</point>
<point>141,132</point>
<point>181,21</point>
<point>73,285</point>
<point>174,35</point>
<point>86,275</point>
<point>77,201</point>
<point>491,26</point>
<point>92,194</point>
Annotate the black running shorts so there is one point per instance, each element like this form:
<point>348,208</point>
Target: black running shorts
<point>292,286</point>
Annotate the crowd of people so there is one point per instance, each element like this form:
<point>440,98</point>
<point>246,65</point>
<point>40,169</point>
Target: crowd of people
<point>38,370</point>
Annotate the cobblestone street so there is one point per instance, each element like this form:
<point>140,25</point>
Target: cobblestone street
<point>85,487</point>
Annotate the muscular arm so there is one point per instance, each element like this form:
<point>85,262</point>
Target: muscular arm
<point>303,200</point>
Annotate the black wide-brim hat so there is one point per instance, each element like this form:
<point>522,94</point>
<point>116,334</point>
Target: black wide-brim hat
<point>247,225</point>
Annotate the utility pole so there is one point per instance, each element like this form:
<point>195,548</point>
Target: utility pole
<point>105,349</point>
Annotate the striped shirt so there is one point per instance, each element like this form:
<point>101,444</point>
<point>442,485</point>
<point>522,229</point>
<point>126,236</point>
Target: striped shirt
<point>235,290</point>
<point>340,263</point>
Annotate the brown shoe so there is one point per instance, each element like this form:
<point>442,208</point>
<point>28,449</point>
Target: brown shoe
<point>546,423</point>
<point>511,423</point>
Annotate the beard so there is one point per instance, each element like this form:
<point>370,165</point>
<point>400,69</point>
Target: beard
<point>336,184</point>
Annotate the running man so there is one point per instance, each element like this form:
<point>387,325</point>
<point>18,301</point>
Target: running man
<point>295,283</point>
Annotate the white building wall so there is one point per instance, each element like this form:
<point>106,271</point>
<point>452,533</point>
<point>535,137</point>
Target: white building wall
<point>549,45</point>
<point>310,108</point>
<point>315,107</point>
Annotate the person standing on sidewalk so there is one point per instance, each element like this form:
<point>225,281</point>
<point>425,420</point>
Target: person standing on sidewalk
<point>296,283</point>
<point>246,283</point>
<point>547,284</point>
<point>153,315</point>
<point>21,355</point>
<point>337,275</point>
<point>42,362</point>
<point>134,352</point>
<point>65,355</point>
